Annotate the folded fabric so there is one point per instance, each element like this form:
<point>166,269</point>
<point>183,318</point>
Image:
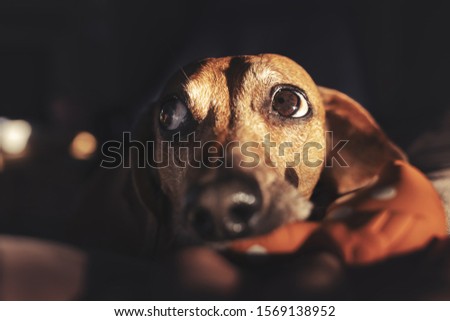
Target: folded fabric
<point>398,213</point>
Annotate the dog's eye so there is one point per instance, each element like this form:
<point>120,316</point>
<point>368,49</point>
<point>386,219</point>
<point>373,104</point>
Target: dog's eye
<point>174,113</point>
<point>290,103</point>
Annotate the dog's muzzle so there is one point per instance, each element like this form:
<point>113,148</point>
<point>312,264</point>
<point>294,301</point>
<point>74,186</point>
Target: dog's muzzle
<point>224,208</point>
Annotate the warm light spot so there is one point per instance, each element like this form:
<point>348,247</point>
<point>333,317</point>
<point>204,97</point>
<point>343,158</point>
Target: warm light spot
<point>83,145</point>
<point>14,135</point>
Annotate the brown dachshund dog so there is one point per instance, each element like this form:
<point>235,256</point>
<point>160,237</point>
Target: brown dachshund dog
<point>245,154</point>
<point>251,142</point>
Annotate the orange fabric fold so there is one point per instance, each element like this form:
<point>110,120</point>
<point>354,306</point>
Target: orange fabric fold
<point>399,213</point>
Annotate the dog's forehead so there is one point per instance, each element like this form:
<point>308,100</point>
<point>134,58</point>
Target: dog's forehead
<point>215,81</point>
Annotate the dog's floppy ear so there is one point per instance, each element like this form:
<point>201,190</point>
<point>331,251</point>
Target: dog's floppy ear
<point>146,183</point>
<point>367,148</point>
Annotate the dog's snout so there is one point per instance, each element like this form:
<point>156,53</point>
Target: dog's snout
<point>226,208</point>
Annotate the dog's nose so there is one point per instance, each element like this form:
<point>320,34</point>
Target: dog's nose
<point>226,208</point>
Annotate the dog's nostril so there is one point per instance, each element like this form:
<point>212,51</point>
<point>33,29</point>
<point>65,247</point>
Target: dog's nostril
<point>242,213</point>
<point>203,222</point>
<point>244,207</point>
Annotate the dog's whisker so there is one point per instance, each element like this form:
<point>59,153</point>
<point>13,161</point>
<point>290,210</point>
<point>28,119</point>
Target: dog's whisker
<point>184,73</point>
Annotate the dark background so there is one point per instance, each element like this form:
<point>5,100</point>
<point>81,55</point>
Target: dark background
<point>67,66</point>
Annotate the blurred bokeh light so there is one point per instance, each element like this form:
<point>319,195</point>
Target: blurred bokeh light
<point>14,136</point>
<point>83,145</point>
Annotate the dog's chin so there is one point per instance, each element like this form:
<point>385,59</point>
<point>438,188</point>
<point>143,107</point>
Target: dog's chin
<point>287,203</point>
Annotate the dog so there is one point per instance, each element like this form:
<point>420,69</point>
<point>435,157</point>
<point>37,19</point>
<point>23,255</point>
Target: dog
<point>233,127</point>
<point>221,169</point>
<point>261,102</point>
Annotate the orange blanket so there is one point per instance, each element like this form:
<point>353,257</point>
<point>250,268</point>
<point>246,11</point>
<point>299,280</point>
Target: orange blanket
<point>398,213</point>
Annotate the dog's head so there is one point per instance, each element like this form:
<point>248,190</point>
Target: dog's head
<point>238,144</point>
